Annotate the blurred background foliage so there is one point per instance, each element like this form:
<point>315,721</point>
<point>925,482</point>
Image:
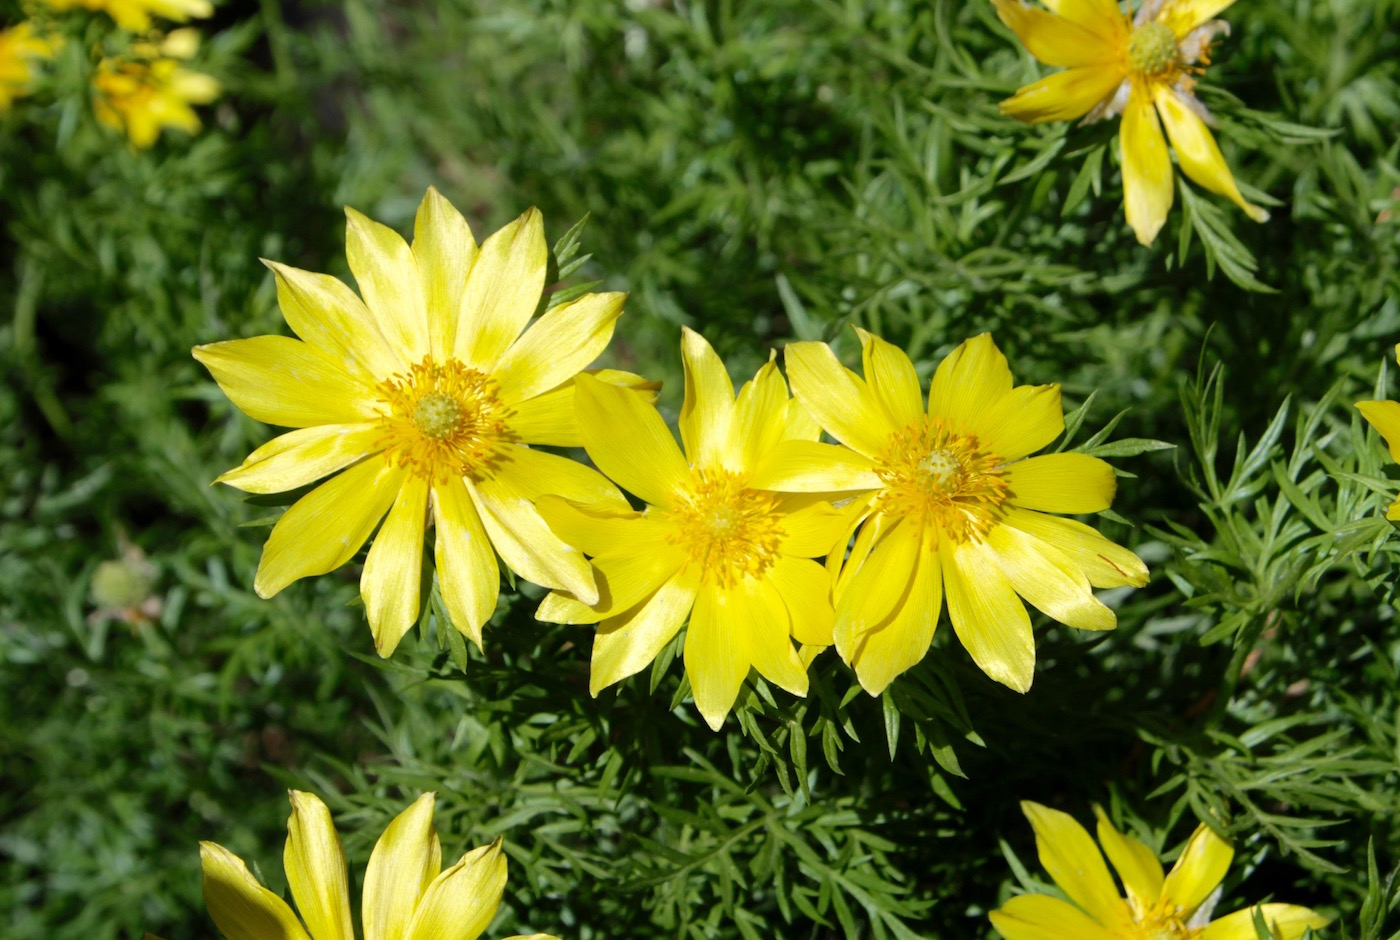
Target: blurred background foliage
<point>761,171</point>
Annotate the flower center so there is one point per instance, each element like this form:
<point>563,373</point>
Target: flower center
<point>728,530</point>
<point>1164,922</point>
<point>1152,49</point>
<point>442,420</point>
<point>936,475</point>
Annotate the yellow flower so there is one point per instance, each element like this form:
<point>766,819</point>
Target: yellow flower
<point>1172,906</point>
<point>406,895</point>
<point>956,507</point>
<point>1119,66</point>
<point>429,393</point>
<point>1384,416</point>
<point>19,47</point>
<point>735,558</point>
<point>142,97</point>
<point>135,15</point>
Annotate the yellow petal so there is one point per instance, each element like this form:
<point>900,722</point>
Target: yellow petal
<point>466,562</point>
<point>1026,419</point>
<point>800,425</point>
<point>462,901</point>
<point>1286,922</point>
<point>1063,483</point>
<point>1135,863</point>
<point>730,630</point>
<point>969,384</point>
<point>1063,96</point>
<point>624,580</point>
<point>315,866</point>
<point>444,249</point>
<point>502,291</point>
<point>892,647</point>
<point>280,380</point>
<point>549,418</point>
<point>303,456</point>
<point>892,378</point>
<point>326,527</point>
<point>1102,16</point>
<point>708,407</point>
<point>405,860</point>
<point>387,274</point>
<point>1197,153</point>
<point>1074,862</point>
<point>838,398</point>
<point>627,644</point>
<point>1185,15</point>
<point>809,467</point>
<point>988,617</point>
<point>393,577</point>
<point>1041,917</point>
<point>596,530</point>
<point>325,312</point>
<point>1053,39</point>
<point>526,544</point>
<point>558,345</point>
<point>537,473</point>
<point>877,588</point>
<point>241,908</point>
<point>812,531</point>
<point>763,622</point>
<point>629,441</point>
<point>1047,579</point>
<point>1105,563</point>
<point>805,587</point>
<point>1200,868</point>
<point>1147,170</point>
<point>762,419</point>
<point>1384,416</point>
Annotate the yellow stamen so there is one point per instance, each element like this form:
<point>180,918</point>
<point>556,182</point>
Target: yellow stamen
<point>1152,49</point>
<point>1164,921</point>
<point>728,531</point>
<point>936,475</point>
<point>442,420</point>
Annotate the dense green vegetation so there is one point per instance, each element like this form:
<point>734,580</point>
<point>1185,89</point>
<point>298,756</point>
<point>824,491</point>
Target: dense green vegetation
<point>760,171</point>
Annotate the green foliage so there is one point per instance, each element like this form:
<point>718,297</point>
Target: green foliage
<point>760,171</point>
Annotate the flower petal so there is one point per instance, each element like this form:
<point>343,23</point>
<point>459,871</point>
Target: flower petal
<point>444,249</point>
<point>891,376</point>
<point>387,274</point>
<point>708,407</point>
<point>315,866</point>
<point>598,530</point>
<point>1047,579</point>
<point>809,467</point>
<point>405,860</point>
<point>988,617</point>
<point>1286,922</point>
<point>1185,15</point>
<point>326,527</point>
<point>1197,153</point>
<point>1041,917</point>
<point>763,417</point>
<point>558,345</point>
<point>1147,170</point>
<point>502,291</point>
<point>391,583</point>
<point>526,544</point>
<point>1200,868</point>
<point>811,531</point>
<point>629,441</point>
<point>877,588</point>
<point>462,901</point>
<point>759,611</point>
<point>466,562</point>
<point>537,473</point>
<point>1135,863</point>
<point>969,384</point>
<point>1075,863</point>
<point>1055,40</point>
<point>241,908</point>
<point>549,418</point>
<point>624,580</point>
<point>1102,16</point>
<point>1063,96</point>
<point>280,380</point>
<point>303,456</point>
<point>805,587</point>
<point>1063,483</point>
<point>627,644</point>
<point>1105,563</point>
<point>1026,419</point>
<point>1384,416</point>
<point>843,404</point>
<point>325,312</point>
<point>885,652</point>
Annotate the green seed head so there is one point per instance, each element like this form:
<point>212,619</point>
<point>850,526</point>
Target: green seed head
<point>437,415</point>
<point>1152,49</point>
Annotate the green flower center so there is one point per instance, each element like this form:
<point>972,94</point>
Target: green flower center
<point>1152,49</point>
<point>437,415</point>
<point>942,468</point>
